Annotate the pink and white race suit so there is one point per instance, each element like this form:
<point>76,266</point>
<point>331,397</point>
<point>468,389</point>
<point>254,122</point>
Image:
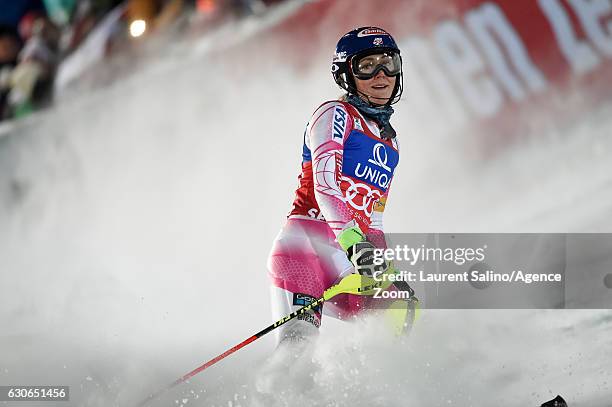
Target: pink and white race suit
<point>347,169</point>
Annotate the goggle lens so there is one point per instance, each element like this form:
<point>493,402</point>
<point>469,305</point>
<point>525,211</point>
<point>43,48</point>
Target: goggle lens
<point>367,67</point>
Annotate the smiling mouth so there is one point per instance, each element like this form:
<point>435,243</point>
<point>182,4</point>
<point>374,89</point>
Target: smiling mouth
<point>380,86</point>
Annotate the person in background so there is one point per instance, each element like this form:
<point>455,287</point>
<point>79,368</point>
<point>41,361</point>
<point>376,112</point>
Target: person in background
<point>32,78</point>
<point>10,45</point>
<point>20,44</point>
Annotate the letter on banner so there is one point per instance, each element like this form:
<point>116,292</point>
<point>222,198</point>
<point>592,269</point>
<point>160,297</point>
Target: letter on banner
<point>464,62</point>
<point>591,13</point>
<point>579,54</point>
<point>488,20</point>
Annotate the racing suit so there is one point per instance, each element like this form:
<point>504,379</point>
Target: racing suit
<point>347,170</point>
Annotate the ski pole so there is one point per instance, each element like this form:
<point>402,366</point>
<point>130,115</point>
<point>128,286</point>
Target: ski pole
<point>351,284</point>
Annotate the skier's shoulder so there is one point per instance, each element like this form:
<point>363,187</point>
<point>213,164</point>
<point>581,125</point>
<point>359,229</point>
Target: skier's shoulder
<point>332,111</point>
<point>335,104</point>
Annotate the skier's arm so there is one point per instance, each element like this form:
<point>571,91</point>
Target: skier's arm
<point>326,133</point>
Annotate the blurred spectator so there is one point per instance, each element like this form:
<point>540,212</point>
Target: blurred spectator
<point>47,44</point>
<point>24,72</point>
<point>10,45</point>
<point>60,11</point>
<point>32,78</point>
<point>169,12</point>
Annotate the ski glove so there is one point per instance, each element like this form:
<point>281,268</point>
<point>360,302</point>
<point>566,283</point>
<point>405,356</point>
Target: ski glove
<point>360,252</point>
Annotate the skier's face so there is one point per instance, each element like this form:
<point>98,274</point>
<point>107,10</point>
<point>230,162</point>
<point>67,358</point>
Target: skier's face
<point>378,89</point>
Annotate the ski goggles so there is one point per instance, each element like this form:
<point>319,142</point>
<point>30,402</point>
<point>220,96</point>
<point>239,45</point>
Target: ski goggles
<point>368,66</point>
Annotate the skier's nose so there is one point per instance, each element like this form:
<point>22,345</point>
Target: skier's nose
<point>379,74</point>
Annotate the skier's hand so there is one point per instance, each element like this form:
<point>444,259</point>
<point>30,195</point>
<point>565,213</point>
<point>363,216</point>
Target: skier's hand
<point>361,252</point>
<point>362,256</point>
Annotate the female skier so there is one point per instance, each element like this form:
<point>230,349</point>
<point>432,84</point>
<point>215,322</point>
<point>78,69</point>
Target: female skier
<point>349,156</point>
